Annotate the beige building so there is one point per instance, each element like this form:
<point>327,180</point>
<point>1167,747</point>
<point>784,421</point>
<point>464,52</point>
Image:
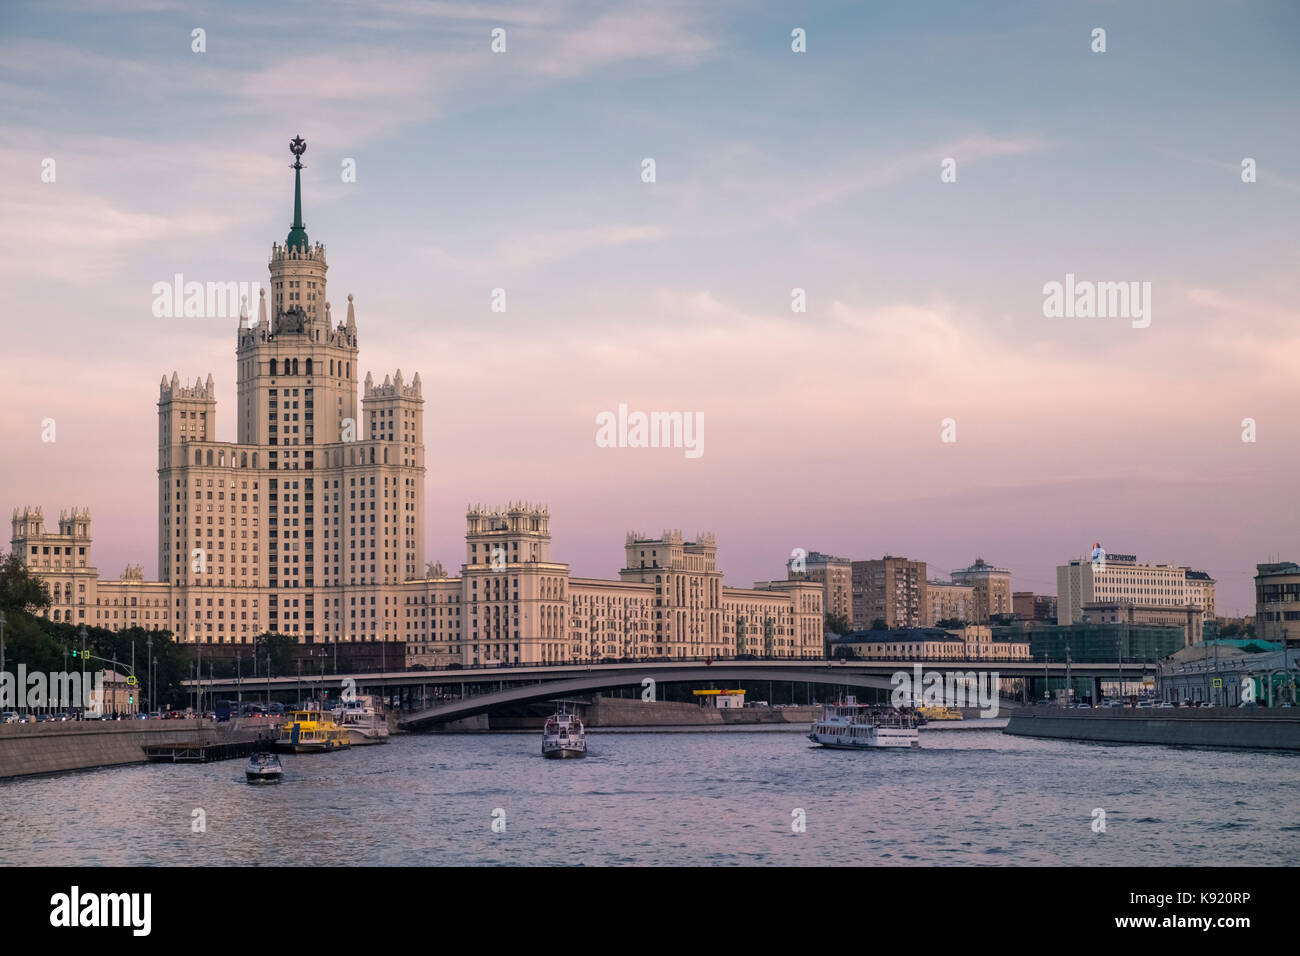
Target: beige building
<point>1277,602</point>
<point>992,589</point>
<point>1188,617</point>
<point>1120,577</point>
<point>1029,606</point>
<point>982,646</point>
<point>947,601</point>
<point>312,524</point>
<point>835,575</point>
<point>889,589</point>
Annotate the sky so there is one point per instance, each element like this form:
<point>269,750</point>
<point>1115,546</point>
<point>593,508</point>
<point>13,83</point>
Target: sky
<point>775,170</point>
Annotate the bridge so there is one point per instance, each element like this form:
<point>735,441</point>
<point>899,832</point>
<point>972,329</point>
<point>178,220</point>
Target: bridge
<point>481,689</point>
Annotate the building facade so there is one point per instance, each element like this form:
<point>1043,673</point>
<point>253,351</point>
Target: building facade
<point>311,524</point>
<point>948,601</point>
<point>1188,617</point>
<point>835,575</point>
<point>992,589</point>
<point>889,589</point>
<point>1277,602</point>
<point>1029,606</point>
<point>1120,577</point>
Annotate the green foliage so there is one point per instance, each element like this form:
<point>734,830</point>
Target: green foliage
<point>951,624</point>
<point>280,647</point>
<point>20,590</point>
<point>837,623</point>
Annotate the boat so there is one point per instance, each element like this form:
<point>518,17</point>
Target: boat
<point>940,713</point>
<point>563,736</point>
<point>263,768</point>
<point>311,730</point>
<point>364,720</point>
<point>848,725</point>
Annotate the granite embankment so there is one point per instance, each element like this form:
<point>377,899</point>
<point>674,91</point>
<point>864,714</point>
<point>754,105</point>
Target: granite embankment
<point>28,749</point>
<point>1259,729</point>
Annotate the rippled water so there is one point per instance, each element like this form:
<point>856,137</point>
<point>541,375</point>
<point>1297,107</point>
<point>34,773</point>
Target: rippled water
<point>686,798</point>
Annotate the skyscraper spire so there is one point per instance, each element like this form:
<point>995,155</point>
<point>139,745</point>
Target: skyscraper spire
<point>297,233</point>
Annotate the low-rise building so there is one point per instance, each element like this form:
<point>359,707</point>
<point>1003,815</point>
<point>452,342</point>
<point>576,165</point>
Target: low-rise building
<point>1189,617</point>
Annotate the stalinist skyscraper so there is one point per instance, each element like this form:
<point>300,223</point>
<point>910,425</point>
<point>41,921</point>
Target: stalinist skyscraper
<point>311,524</point>
<point>303,526</point>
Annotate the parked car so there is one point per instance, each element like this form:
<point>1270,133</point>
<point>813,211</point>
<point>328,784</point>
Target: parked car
<point>9,717</point>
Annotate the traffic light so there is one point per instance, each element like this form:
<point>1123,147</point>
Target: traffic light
<point>130,698</point>
<point>74,652</point>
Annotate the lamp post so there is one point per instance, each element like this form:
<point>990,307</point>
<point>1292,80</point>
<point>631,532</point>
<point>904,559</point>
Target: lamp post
<point>81,632</point>
<point>149,646</point>
<point>1067,673</point>
<point>2,647</point>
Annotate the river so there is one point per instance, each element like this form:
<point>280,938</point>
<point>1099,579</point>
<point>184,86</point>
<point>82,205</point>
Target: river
<point>718,798</point>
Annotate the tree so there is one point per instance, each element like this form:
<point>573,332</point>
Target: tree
<point>280,647</point>
<point>20,590</point>
<point>879,624</point>
<point>951,624</point>
<point>837,623</point>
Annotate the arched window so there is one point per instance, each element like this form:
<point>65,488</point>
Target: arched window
<point>272,366</point>
<point>243,459</point>
<point>309,366</point>
<point>209,457</point>
<point>295,366</point>
<point>198,456</point>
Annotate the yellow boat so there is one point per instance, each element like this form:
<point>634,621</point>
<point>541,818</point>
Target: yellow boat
<point>940,713</point>
<point>311,731</point>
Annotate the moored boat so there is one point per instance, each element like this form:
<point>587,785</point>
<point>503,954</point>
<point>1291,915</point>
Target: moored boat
<point>848,725</point>
<point>311,731</point>
<point>263,768</point>
<point>563,736</point>
<point>364,720</point>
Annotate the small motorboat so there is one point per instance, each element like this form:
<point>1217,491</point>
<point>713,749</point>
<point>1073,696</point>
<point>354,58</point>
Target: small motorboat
<point>264,768</point>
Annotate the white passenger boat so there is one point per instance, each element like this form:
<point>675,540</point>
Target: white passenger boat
<point>563,736</point>
<point>364,720</point>
<point>848,725</point>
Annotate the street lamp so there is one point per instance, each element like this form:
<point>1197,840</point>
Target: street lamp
<point>2,644</point>
<point>81,632</point>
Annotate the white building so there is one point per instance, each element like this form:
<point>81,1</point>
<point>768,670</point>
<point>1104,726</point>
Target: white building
<point>1119,578</point>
